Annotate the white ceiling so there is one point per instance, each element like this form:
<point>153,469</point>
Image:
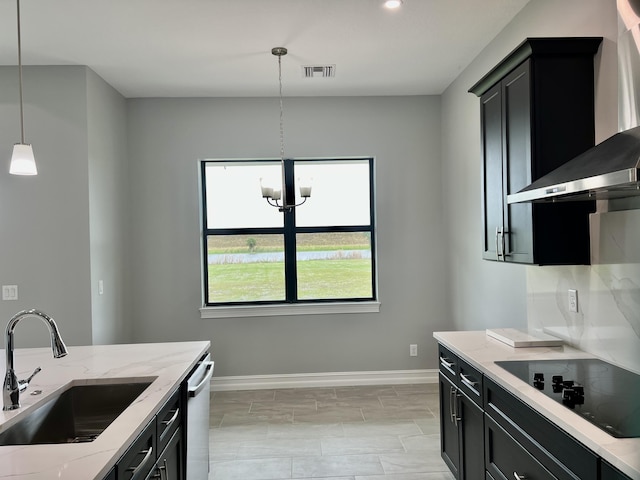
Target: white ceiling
<point>191,48</point>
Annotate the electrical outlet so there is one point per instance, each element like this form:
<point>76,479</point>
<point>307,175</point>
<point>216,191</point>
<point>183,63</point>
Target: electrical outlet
<point>9,292</point>
<point>573,301</point>
<point>413,350</point>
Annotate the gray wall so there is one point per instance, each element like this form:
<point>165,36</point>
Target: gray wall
<point>168,136</point>
<point>108,207</point>
<point>44,234</point>
<point>63,223</point>
<point>486,294</point>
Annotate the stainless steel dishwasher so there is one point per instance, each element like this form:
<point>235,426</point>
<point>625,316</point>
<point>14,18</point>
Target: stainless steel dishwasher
<point>199,387</point>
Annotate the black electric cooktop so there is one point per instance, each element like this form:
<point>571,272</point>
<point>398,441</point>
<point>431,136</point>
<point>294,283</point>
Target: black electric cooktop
<point>606,395</point>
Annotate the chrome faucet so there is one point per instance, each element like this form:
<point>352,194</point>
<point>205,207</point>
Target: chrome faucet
<point>12,387</point>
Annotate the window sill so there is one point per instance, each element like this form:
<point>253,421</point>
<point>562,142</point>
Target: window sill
<point>289,309</point>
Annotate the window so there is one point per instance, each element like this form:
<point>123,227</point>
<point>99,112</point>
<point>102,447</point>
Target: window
<point>321,251</point>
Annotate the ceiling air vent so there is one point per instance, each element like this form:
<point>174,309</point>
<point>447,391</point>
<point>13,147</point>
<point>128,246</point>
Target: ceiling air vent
<point>313,71</point>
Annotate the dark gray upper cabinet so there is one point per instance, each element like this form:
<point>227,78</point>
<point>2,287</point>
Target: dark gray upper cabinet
<point>537,112</point>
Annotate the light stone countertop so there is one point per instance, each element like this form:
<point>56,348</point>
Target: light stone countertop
<point>481,351</point>
<point>169,363</point>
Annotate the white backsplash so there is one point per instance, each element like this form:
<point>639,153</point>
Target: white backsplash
<point>607,323</point>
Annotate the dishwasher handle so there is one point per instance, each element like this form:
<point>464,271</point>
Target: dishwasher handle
<point>208,366</point>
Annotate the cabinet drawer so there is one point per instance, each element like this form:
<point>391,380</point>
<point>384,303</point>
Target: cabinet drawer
<point>138,460</point>
<point>448,363</point>
<point>470,381</point>
<point>168,419</point>
<point>505,459</point>
<point>561,454</point>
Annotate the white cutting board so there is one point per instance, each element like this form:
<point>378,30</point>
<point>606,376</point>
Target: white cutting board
<point>520,338</point>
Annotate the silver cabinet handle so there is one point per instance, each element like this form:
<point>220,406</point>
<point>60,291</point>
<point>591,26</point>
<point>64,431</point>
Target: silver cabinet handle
<point>456,417</point>
<point>164,472</point>
<point>451,405</point>
<point>498,231</point>
<point>134,470</point>
<point>466,380</point>
<point>469,383</point>
<point>519,477</point>
<point>167,423</point>
<point>446,363</point>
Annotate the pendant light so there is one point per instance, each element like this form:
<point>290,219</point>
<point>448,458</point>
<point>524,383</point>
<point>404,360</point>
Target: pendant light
<point>22,161</point>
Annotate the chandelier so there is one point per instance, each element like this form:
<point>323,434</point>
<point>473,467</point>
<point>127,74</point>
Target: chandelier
<point>278,197</point>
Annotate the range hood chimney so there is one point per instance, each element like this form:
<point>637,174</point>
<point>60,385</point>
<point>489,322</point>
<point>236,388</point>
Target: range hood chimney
<point>612,168</point>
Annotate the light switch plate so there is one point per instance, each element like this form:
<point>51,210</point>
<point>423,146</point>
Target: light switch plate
<point>573,301</point>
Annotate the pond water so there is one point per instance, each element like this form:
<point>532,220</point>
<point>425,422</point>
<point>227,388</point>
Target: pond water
<point>227,258</point>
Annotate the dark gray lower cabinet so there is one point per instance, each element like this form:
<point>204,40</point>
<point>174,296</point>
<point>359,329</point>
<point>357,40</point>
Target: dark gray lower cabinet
<point>608,472</point>
<point>488,433</point>
<point>462,433</point>
<point>158,452</point>
<point>512,426</point>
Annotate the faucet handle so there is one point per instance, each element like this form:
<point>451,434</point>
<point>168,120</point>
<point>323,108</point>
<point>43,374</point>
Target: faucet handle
<point>23,384</point>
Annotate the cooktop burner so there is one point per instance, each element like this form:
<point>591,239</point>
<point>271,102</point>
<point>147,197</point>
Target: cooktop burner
<point>605,395</point>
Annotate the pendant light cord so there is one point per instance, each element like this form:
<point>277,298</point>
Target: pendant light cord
<point>20,75</point>
<point>284,187</point>
<point>281,109</point>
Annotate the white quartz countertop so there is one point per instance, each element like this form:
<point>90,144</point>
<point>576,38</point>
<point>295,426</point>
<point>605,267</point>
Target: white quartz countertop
<point>482,351</point>
<point>167,364</point>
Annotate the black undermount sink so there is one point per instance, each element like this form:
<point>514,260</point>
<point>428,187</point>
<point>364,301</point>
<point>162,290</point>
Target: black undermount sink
<point>79,414</point>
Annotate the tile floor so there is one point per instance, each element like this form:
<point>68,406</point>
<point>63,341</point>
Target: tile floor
<point>342,433</point>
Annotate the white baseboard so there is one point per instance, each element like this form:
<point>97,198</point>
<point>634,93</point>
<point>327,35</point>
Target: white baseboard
<point>330,379</point>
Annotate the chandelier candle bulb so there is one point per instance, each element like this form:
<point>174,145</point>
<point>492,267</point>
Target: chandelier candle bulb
<point>266,191</point>
<point>305,192</point>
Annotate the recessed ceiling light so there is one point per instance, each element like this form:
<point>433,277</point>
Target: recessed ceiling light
<point>392,4</point>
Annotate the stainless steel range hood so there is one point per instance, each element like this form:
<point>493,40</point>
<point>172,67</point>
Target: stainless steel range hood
<point>608,170</point>
<point>611,169</point>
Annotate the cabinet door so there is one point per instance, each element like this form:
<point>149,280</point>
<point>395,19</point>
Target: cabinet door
<point>492,193</point>
<point>517,134</point>
<point>471,430</point>
<point>449,440</point>
<point>171,462</point>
